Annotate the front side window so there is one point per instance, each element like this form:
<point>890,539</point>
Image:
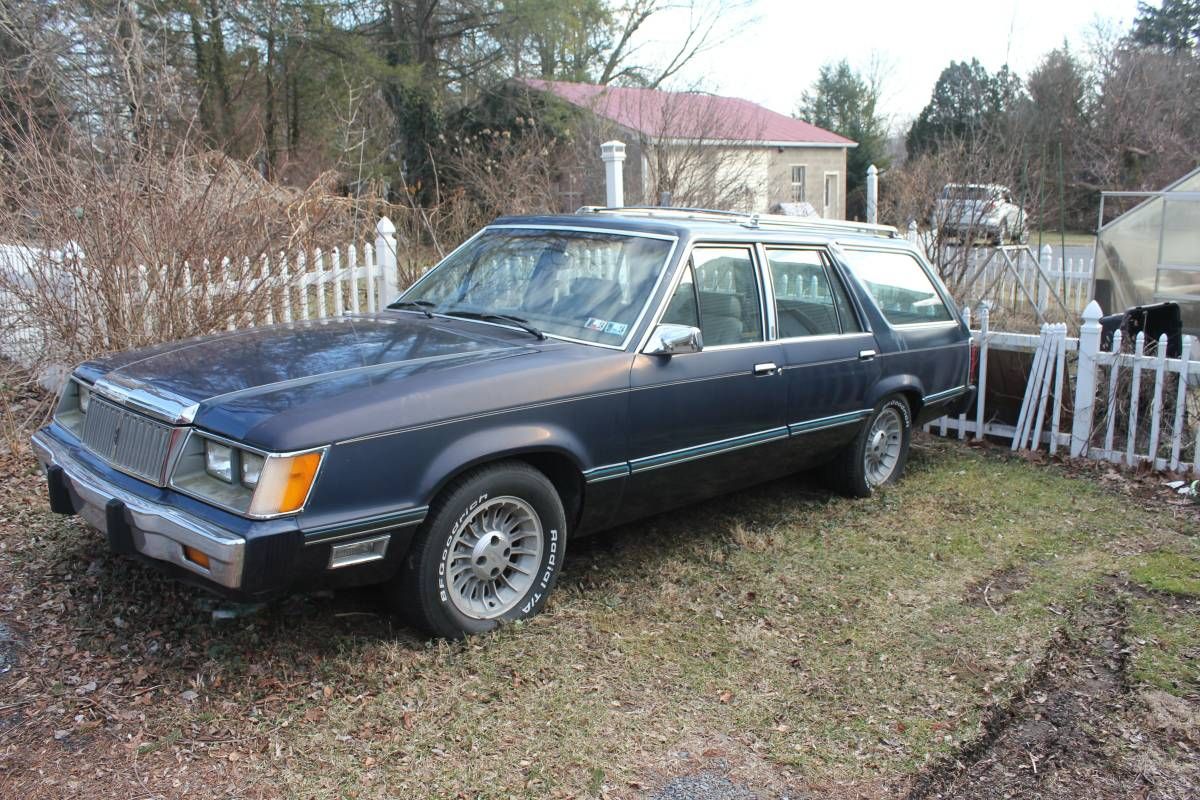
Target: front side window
<point>575,284</point>
<point>809,300</point>
<point>719,294</point>
<point>900,286</point>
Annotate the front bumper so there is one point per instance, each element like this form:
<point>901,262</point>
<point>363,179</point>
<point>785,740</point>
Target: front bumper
<point>136,525</point>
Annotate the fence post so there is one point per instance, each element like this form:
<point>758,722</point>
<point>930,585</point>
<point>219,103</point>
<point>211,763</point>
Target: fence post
<point>981,379</point>
<point>1085,379</point>
<point>872,194</point>
<point>1047,269</point>
<point>385,258</point>
<point>913,236</point>
<point>613,155</point>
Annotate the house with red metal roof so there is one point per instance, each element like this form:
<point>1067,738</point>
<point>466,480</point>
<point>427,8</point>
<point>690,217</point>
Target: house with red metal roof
<point>705,150</point>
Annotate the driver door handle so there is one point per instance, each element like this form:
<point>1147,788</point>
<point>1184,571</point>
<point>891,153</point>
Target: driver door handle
<point>866,355</point>
<point>767,368</point>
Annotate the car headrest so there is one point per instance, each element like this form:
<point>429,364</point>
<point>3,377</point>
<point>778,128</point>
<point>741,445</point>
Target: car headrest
<point>591,292</point>
<point>713,304</point>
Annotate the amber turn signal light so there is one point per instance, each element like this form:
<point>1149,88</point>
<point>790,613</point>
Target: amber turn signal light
<point>195,556</point>
<point>284,484</point>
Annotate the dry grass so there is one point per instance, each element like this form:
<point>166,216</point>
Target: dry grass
<point>799,642</point>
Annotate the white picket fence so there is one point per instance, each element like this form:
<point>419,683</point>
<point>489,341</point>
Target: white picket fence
<point>991,279</point>
<point>284,287</point>
<point>318,284</point>
<point>1108,418</point>
<point>1027,277</point>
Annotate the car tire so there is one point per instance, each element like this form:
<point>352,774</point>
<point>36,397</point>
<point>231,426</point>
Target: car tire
<point>878,454</point>
<point>488,553</point>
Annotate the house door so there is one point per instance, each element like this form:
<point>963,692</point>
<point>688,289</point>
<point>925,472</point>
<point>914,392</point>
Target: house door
<point>832,184</point>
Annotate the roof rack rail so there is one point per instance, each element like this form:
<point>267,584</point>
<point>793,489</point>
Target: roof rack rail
<point>748,220</point>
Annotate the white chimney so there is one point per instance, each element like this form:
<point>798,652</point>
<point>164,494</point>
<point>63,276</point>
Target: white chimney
<point>613,155</point>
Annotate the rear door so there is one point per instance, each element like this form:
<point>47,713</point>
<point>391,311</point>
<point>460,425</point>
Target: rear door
<point>919,330</point>
<point>830,357</point>
<point>703,423</point>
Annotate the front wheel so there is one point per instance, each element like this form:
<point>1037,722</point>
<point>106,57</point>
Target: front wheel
<point>488,553</point>
<point>878,454</point>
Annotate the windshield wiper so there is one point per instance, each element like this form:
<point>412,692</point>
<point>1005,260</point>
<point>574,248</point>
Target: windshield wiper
<point>521,323</point>
<point>419,305</point>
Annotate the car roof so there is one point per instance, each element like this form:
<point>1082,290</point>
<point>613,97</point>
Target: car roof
<point>708,224</point>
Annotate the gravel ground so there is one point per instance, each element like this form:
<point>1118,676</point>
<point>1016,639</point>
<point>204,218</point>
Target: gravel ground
<point>704,786</point>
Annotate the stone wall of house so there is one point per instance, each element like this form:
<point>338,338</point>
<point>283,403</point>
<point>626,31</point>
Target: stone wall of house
<point>818,162</point>
<point>746,178</point>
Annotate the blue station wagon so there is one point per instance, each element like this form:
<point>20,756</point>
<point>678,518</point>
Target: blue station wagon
<point>552,377</point>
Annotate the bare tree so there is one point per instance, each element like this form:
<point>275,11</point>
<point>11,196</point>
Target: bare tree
<point>700,152</point>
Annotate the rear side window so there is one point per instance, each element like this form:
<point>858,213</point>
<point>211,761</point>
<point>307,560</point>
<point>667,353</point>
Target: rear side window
<point>809,300</point>
<point>899,285</point>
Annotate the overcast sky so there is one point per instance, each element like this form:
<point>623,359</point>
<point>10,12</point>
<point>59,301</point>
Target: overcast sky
<point>777,54</point>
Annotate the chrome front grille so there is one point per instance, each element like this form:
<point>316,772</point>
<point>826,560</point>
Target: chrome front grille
<point>130,442</point>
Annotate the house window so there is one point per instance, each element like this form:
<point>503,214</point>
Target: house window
<point>798,175</point>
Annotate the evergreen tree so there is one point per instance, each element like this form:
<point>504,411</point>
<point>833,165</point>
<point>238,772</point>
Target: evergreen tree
<point>967,102</point>
<point>843,101</point>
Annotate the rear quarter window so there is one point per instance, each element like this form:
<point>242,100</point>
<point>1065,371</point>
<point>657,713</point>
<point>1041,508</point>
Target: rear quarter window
<point>900,286</point>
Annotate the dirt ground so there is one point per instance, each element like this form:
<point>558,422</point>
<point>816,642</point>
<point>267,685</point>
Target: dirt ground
<point>988,628</point>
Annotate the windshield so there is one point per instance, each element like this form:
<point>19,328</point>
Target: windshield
<point>575,284</point>
<point>959,192</point>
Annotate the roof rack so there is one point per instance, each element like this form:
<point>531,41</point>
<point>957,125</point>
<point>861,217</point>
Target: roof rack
<point>747,220</point>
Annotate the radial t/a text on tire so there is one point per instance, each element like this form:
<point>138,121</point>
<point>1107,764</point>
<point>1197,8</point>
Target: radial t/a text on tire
<point>488,553</point>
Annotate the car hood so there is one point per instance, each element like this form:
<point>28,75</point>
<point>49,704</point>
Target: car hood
<point>265,370</point>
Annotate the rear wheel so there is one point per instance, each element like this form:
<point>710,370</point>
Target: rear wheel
<point>488,553</point>
<point>878,454</point>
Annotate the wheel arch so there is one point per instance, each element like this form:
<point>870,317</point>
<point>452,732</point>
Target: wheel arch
<point>555,454</point>
<point>907,386</point>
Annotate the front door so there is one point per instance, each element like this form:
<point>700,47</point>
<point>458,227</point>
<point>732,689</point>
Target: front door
<point>707,422</point>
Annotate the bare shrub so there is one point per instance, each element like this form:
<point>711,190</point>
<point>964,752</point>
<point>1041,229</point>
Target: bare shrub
<point>120,246</point>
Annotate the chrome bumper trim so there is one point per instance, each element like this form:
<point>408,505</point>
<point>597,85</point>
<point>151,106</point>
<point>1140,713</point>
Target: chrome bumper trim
<point>159,532</point>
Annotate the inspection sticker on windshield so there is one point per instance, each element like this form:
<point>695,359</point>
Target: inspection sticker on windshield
<point>616,328</point>
<point>594,324</point>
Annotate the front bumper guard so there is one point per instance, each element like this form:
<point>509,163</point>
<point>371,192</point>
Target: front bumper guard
<point>135,524</point>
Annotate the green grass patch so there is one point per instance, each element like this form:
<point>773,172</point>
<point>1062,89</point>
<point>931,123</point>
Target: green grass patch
<point>1167,647</point>
<point>1175,573</point>
<point>1054,238</point>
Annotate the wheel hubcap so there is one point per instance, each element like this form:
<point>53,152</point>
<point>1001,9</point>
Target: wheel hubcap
<point>493,557</point>
<point>883,447</point>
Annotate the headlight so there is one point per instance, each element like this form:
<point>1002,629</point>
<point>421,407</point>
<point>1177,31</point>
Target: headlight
<point>242,480</point>
<point>218,460</point>
<point>73,405</point>
<point>251,470</point>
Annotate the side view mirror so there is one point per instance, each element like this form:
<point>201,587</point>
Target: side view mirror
<point>673,340</point>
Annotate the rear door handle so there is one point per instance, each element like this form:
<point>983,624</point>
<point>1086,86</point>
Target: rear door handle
<point>866,355</point>
<point>768,368</point>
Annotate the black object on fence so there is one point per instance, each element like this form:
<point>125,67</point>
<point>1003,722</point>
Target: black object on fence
<point>1153,320</point>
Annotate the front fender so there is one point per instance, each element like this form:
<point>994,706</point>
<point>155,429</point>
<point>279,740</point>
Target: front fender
<point>497,443</point>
